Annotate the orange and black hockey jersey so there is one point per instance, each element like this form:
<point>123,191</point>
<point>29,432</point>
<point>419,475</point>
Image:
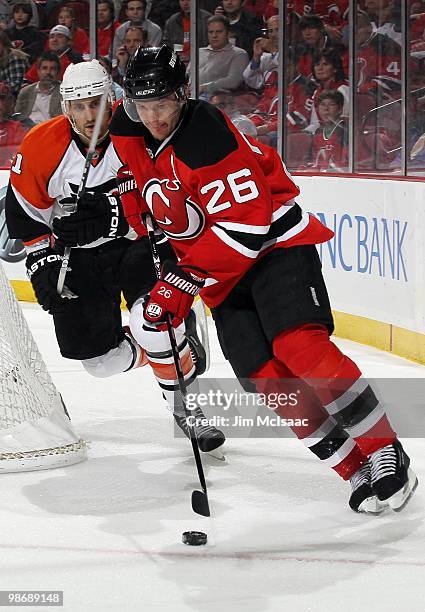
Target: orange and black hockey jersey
<point>47,168</point>
<point>222,199</point>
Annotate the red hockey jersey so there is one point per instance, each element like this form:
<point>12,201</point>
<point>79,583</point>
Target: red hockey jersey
<point>222,199</point>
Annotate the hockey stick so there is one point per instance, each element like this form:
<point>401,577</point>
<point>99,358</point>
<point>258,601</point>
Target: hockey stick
<point>82,186</point>
<point>200,503</point>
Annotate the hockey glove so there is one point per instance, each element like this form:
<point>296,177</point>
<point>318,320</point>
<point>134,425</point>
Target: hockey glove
<point>173,294</point>
<point>43,267</point>
<point>98,215</point>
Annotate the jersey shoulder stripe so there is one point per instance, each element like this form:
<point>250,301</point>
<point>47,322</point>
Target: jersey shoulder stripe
<point>40,153</point>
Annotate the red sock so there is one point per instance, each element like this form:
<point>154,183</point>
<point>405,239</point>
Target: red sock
<point>319,432</point>
<point>309,353</point>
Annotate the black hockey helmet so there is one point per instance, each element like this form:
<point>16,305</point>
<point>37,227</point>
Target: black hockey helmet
<point>153,73</point>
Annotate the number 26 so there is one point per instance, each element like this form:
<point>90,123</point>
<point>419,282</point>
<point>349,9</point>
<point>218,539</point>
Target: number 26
<point>241,191</point>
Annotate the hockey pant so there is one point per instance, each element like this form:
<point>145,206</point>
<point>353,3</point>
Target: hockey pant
<point>346,422</point>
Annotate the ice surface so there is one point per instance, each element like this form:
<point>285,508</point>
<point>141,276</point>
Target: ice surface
<point>108,531</point>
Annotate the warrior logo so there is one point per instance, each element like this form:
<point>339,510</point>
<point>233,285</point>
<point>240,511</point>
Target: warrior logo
<point>178,216</point>
<point>154,310</point>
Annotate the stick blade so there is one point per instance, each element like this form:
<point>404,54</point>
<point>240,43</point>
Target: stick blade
<point>200,503</point>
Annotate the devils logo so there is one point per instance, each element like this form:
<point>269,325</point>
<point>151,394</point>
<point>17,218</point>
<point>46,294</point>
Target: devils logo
<point>177,215</point>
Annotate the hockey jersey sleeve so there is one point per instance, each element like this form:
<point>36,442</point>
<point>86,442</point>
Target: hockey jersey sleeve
<point>132,202</point>
<point>28,204</point>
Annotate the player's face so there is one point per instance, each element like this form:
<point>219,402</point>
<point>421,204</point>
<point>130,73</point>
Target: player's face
<point>132,40</point>
<point>218,36</point>
<point>329,111</point>
<point>159,116</point>
<point>323,70</point>
<point>135,11</point>
<point>84,113</point>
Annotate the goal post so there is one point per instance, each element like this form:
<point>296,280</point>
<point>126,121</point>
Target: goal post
<point>35,430</point>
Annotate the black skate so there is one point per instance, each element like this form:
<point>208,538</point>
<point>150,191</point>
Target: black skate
<point>196,349</point>
<point>363,498</point>
<point>393,480</point>
<point>209,437</point>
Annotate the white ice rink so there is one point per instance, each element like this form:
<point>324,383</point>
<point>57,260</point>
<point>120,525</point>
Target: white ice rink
<point>108,531</point>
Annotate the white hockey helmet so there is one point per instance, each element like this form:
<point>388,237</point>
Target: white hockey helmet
<point>84,80</point>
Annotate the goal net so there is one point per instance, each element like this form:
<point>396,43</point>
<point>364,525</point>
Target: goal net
<point>35,431</point>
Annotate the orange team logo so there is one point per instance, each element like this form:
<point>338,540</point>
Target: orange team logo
<point>177,215</point>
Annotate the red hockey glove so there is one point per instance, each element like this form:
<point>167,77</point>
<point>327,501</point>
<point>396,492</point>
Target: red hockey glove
<point>173,294</point>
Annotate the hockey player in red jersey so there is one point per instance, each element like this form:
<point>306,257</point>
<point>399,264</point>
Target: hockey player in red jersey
<point>228,207</point>
<point>109,256</point>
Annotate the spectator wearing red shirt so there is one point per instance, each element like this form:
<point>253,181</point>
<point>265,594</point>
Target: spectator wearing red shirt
<point>329,150</point>
<point>378,68</point>
<point>315,39</point>
<point>79,40</point>
<point>299,102</point>
<point>106,27</point>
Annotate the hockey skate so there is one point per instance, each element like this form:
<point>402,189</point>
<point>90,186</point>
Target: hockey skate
<point>209,437</point>
<point>393,481</point>
<point>363,498</point>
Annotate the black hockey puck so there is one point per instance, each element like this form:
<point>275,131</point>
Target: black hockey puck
<point>194,538</point>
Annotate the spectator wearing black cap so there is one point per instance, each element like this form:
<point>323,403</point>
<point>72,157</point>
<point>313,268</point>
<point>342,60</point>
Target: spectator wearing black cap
<point>42,100</point>
<point>23,36</point>
<point>60,44</point>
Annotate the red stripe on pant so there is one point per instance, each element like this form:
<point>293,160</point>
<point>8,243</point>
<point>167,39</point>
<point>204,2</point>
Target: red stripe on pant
<point>267,380</point>
<point>309,353</point>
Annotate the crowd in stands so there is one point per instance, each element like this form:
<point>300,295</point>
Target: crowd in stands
<point>238,68</point>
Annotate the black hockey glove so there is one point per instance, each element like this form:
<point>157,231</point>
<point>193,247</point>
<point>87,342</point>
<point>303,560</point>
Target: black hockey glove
<point>98,216</point>
<point>43,268</point>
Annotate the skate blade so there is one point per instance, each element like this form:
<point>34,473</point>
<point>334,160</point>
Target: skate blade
<point>216,454</point>
<point>372,505</point>
<point>400,499</point>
